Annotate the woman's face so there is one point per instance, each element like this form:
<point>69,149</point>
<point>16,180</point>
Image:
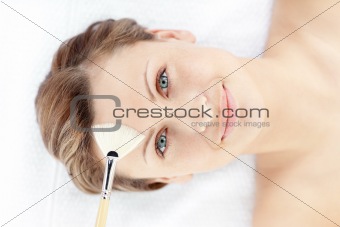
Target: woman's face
<point>169,73</point>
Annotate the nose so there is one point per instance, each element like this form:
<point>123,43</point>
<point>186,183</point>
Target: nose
<point>199,115</point>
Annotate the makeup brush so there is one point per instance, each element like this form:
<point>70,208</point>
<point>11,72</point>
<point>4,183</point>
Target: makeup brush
<point>111,160</point>
<point>117,144</point>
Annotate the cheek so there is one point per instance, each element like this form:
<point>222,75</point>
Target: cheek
<point>190,153</point>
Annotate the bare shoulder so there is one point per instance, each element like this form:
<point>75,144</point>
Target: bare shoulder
<point>302,192</point>
<point>292,20</point>
<point>307,34</point>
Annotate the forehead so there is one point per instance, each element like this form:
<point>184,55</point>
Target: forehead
<point>121,74</point>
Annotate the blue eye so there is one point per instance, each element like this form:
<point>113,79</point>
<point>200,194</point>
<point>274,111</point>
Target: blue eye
<point>163,82</point>
<point>161,143</point>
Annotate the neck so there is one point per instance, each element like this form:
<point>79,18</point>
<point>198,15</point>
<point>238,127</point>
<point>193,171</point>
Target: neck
<point>285,96</point>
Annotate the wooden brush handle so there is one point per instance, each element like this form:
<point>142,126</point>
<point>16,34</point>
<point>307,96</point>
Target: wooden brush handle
<point>102,213</point>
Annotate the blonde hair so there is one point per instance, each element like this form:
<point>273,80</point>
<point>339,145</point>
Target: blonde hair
<point>68,79</point>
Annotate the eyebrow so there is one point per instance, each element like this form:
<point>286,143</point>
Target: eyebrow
<point>146,81</point>
<point>147,142</point>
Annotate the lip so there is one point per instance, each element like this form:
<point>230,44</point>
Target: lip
<point>227,103</point>
<point>224,104</point>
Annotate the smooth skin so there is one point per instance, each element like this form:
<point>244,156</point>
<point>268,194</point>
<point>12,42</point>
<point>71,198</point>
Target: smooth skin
<point>297,80</point>
<point>307,165</point>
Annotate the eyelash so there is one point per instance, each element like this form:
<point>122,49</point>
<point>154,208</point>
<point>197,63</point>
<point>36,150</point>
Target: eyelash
<point>159,89</point>
<point>160,153</point>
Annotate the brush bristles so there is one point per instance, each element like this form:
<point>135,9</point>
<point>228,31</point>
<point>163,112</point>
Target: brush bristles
<point>122,141</point>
